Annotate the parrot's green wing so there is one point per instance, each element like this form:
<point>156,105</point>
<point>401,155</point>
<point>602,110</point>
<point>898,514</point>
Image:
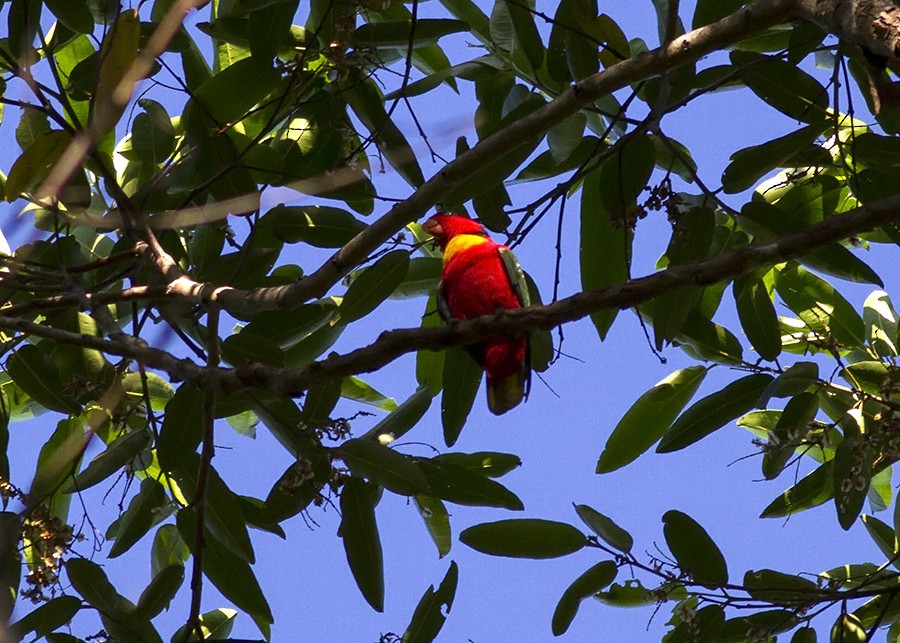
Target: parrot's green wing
<point>520,287</point>
<point>516,276</point>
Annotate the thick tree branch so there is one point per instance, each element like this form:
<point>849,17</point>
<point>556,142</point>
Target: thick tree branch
<point>684,49</point>
<point>393,344</point>
<point>872,24</point>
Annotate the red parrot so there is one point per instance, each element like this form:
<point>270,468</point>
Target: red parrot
<point>481,277</point>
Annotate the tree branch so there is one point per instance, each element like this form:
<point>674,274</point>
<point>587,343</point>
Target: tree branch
<point>392,344</point>
<point>684,49</point>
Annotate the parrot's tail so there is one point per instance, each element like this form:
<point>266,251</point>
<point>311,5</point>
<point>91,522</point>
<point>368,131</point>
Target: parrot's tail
<point>508,374</point>
<point>505,393</point>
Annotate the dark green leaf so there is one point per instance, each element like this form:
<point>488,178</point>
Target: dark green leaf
<point>813,490</point>
<point>231,575</point>
<point>161,590</point>
<point>168,549</point>
<point>143,511</point>
<point>317,225</point>
<point>649,418</point>
<point>182,428</point>
<point>524,538</point>
<point>47,617</point>
<point>32,370</point>
<point>693,549</point>
<point>74,14</point>
<point>783,86</point>
<point>119,453</point>
<point>604,527</point>
<point>437,521</point>
<point>463,486</point>
<point>462,378</point>
<point>59,458</point>
<point>884,536</point>
<point>782,589</point>
<point>432,609</point>
<point>605,247</point>
<point>397,34</point>
<point>404,417</point>
<point>373,285</point>
<point>488,463</point>
<point>796,149</point>
<point>361,542</point>
<point>588,584</point>
<point>757,314</point>
<point>90,581</point>
<point>852,473</point>
<point>383,466</point>
<point>713,412</point>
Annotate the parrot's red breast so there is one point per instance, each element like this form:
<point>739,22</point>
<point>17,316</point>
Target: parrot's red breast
<point>481,277</point>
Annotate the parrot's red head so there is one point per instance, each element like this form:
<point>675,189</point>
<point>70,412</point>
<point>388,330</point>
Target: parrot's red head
<point>444,227</point>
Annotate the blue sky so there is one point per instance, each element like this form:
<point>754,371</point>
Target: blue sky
<point>559,434</point>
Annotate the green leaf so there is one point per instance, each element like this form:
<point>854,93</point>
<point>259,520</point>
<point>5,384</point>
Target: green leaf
<point>524,538</point>
<point>58,459</point>
<point>488,463</point>
<point>462,377</point>
<point>463,486</point>
<point>383,466</point>
<point>795,379</point>
<point>296,488</point>
<point>880,320</point>
<point>222,512</point>
<point>182,428</point>
<point>160,592</point>
<point>74,14</point>
<point>813,490</point>
<point>367,103</point>
<point>781,589</point>
<point>589,583</point>
<point>89,580</point>
<point>884,536</point>
<point>767,221</point>
<point>605,247</point>
<point>233,577</point>
<point>152,134</point>
<point>430,364</point>
<point>35,373</point>
<point>819,305</point>
<point>35,163</point>
<point>631,594</point>
<point>118,52</point>
<point>604,527</point>
<point>468,11</point>
<point>432,609</point>
<point>168,549</point>
<point>361,542</point>
<point>215,625</point>
<point>142,513</point>
<point>526,34</point>
<point>353,388</point>
<point>693,549</point>
<point>708,11</point>
<point>403,418</point>
<point>649,418</point>
<point>691,240</point>
<point>373,285</point>
<point>44,619</point>
<point>784,86</point>
<point>437,521</point>
<point>757,314</point>
<point>796,149</point>
<point>119,453</point>
<point>398,33</point>
<point>852,473</point>
<point>713,412</point>
<point>317,225</point>
<point>848,629</point>
<point>422,278</point>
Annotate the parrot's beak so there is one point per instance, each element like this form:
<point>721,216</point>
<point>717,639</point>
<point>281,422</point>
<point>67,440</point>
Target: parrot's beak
<point>433,228</point>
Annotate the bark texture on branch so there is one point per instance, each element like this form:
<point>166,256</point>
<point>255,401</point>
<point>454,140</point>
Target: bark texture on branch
<point>684,49</point>
<point>873,24</point>
<point>392,344</point>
